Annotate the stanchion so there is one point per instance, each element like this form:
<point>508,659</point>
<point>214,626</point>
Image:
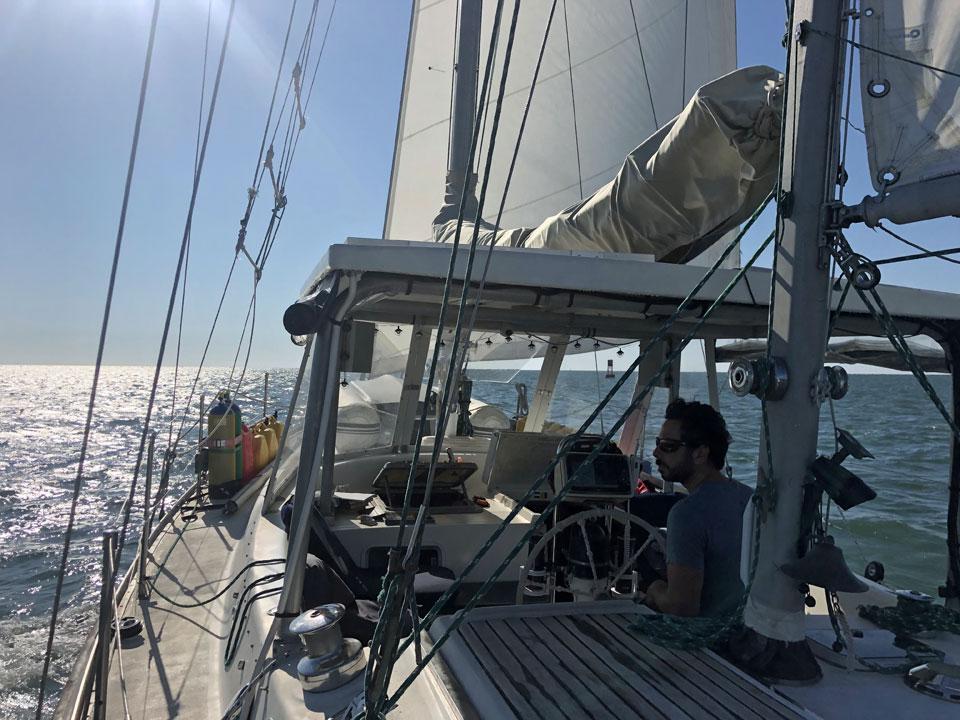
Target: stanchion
<point>142,591</point>
<point>105,620</point>
<point>266,377</point>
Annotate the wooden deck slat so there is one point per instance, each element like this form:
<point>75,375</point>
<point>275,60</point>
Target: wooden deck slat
<point>525,668</point>
<point>569,669</point>
<point>519,698</point>
<point>691,700</point>
<point>634,690</point>
<point>738,687</point>
<point>681,664</point>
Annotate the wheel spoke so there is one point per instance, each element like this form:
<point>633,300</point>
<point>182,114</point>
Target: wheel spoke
<point>633,558</point>
<point>586,544</point>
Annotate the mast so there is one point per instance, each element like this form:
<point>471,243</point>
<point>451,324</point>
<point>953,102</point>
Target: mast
<point>464,96</point>
<point>775,609</point>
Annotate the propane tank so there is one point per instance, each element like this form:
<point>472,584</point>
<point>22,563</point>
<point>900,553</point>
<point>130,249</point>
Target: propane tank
<point>224,433</point>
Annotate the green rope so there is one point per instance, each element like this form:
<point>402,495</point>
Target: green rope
<point>836,313</point>
<point>692,633</point>
<point>689,633</point>
<point>887,324</point>
<point>920,256</point>
<point>548,472</point>
<point>377,680</point>
<point>908,620</point>
<point>561,493</point>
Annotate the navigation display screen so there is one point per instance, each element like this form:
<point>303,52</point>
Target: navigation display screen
<point>609,474</point>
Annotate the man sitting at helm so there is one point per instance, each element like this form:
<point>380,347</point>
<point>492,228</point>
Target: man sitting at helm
<point>704,529</point>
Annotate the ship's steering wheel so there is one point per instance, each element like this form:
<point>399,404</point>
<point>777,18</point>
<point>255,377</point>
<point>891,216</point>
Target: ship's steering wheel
<point>547,588</point>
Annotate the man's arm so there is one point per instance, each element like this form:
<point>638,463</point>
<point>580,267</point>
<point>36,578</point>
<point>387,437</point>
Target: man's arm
<point>680,594</point>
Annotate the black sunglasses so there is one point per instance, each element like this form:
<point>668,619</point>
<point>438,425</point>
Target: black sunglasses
<point>669,445</point>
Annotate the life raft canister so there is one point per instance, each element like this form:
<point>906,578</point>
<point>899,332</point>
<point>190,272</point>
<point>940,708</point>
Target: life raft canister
<point>224,432</point>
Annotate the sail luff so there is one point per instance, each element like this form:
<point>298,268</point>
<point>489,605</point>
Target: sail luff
<point>414,8</point>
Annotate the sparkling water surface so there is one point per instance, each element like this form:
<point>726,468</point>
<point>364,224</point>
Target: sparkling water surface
<point>43,410</point>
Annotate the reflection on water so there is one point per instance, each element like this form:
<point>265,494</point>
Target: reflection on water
<point>42,411</point>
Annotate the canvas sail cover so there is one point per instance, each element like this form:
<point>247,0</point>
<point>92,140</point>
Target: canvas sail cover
<point>698,177</point>
<point>613,74</point>
<point>910,112</point>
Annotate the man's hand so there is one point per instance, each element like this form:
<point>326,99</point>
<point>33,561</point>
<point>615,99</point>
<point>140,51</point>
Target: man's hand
<point>680,594</point>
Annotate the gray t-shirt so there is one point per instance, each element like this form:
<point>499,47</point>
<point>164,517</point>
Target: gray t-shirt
<point>704,531</point>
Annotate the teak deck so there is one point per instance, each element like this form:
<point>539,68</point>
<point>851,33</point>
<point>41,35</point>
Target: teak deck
<point>582,661</point>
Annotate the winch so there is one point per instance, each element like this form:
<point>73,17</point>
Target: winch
<point>331,660</point>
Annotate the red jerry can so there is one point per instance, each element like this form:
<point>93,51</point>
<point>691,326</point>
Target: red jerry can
<point>247,456</point>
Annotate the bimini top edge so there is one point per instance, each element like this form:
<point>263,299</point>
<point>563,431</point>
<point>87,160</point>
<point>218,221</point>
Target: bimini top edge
<point>604,292</point>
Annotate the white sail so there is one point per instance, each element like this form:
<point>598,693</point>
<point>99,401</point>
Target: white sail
<point>596,99</point>
<point>909,111</point>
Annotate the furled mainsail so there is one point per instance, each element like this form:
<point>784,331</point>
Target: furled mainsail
<point>700,175</point>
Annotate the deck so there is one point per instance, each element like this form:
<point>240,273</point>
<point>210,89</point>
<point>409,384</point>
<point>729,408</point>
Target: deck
<point>580,660</point>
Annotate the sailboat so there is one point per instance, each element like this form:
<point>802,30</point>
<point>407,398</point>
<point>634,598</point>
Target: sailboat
<point>447,573</point>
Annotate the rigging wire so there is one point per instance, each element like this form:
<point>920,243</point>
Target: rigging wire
<point>862,47</point>
<point>846,125</point>
<point>474,141</point>
<point>453,76</point>
<point>323,44</point>
<point>380,666</point>
<point>840,183</point>
<point>548,471</point>
<point>78,482</point>
<point>276,216</point>
<point>686,32</point>
<point>258,171</point>
<point>297,71</point>
<point>486,106</point>
<point>939,254</point>
<point>643,64</point>
<point>927,253</point>
<point>573,99</point>
<point>253,323</point>
<point>596,369</point>
<point>186,264</point>
<point>176,283</point>
<point>509,179</point>
<point>301,105</point>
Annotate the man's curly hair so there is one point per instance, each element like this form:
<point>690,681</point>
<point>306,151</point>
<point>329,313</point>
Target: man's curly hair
<point>700,425</point>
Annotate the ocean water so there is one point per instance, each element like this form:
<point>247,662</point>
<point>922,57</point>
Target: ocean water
<point>43,409</point>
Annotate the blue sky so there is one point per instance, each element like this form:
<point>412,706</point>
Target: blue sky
<point>69,78</point>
